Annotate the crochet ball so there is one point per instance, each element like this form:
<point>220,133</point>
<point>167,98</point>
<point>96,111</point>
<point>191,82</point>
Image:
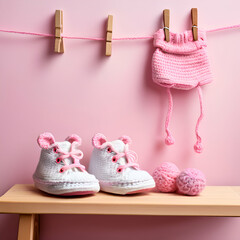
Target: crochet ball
<point>191,182</point>
<point>165,177</point>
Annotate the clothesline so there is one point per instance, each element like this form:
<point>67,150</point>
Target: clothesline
<point>103,39</point>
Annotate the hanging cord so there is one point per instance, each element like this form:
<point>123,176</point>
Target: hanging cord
<point>169,140</point>
<point>104,39</point>
<point>198,146</point>
<point>223,28</point>
<point>76,38</point>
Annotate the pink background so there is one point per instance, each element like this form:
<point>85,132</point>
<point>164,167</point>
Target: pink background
<point>84,92</point>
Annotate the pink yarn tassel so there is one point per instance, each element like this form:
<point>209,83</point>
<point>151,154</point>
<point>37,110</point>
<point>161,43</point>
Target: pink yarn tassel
<point>198,146</point>
<point>169,139</point>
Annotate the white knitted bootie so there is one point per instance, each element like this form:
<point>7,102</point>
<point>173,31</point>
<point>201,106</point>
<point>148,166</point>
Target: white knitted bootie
<point>115,166</point>
<point>59,170</point>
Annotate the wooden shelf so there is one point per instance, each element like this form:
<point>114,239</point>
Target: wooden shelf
<point>214,201</point>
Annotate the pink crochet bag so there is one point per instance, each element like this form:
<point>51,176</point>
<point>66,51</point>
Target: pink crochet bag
<point>182,64</point>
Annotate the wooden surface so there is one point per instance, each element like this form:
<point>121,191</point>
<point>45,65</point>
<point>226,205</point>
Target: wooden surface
<point>108,51</point>
<point>166,22</point>
<point>214,201</point>
<point>59,47</point>
<point>194,14</point>
<point>28,227</point>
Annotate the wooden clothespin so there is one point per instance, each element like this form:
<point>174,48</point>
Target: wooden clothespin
<point>59,48</point>
<point>166,22</point>
<point>109,36</point>
<point>194,15</point>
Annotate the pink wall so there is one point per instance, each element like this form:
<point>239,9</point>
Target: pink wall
<point>84,92</point>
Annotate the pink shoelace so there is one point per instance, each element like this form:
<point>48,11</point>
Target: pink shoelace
<point>74,153</point>
<point>130,156</point>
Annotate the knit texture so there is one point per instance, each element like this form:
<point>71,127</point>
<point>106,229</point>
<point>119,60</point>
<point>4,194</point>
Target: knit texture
<point>165,177</point>
<point>191,182</point>
<point>180,63</point>
<point>48,176</point>
<point>116,167</point>
<point>183,64</point>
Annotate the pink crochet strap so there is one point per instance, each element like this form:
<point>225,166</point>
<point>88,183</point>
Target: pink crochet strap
<point>169,139</point>
<point>198,146</point>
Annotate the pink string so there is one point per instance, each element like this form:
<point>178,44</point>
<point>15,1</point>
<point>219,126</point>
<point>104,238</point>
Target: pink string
<point>28,33</point>
<point>169,139</point>
<point>77,38</point>
<point>84,38</point>
<point>223,28</point>
<point>103,39</point>
<point>198,146</point>
<point>75,154</point>
<point>132,38</point>
<point>130,156</point>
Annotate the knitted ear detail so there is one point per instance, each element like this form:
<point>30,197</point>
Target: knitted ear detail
<point>98,140</point>
<point>74,138</point>
<point>45,140</point>
<point>126,139</point>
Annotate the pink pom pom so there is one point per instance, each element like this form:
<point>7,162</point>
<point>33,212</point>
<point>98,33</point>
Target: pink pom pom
<point>169,140</point>
<point>165,177</point>
<point>198,147</point>
<point>191,182</point>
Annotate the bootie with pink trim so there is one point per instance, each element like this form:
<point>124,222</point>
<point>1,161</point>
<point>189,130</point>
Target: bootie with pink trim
<point>59,170</point>
<point>116,167</point>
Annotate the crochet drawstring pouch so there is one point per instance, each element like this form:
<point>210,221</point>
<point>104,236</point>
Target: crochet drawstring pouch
<point>181,63</point>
